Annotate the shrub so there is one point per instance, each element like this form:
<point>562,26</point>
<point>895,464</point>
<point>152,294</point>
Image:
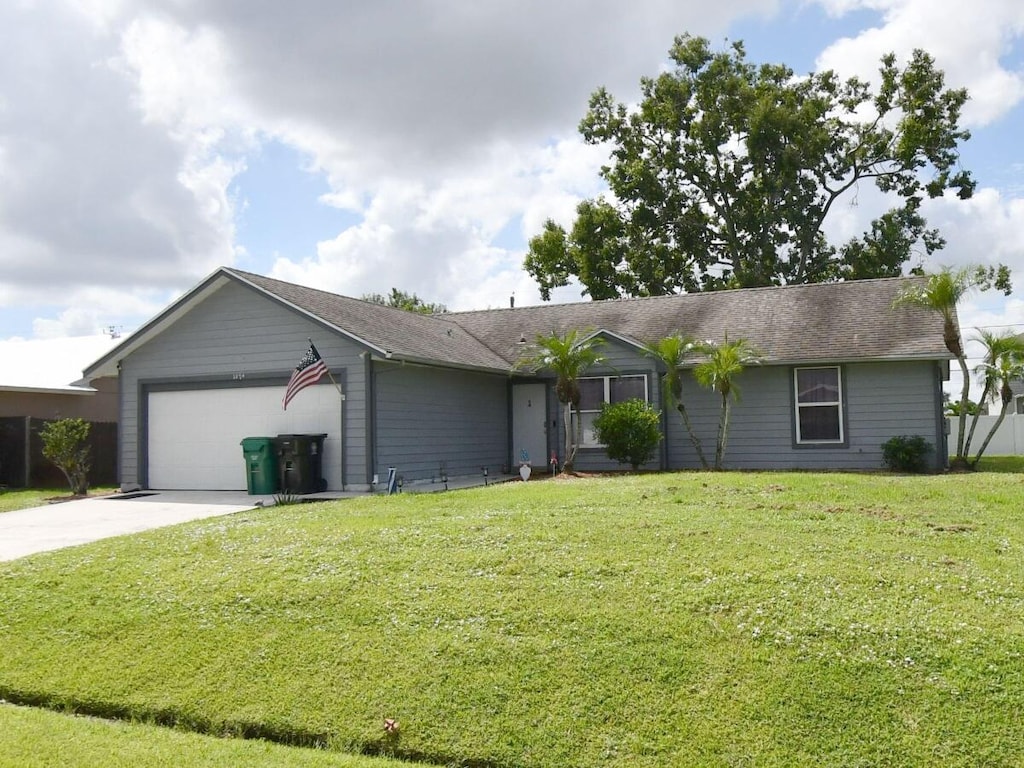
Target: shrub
<point>630,431</point>
<point>905,453</point>
<point>64,443</point>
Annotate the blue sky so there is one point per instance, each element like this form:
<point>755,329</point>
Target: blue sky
<point>414,145</point>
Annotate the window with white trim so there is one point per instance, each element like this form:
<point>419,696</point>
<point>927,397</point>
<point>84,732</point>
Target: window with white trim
<point>598,390</point>
<point>818,394</point>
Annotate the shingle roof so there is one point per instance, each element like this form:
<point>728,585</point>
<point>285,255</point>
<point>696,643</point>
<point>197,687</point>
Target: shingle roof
<point>832,321</point>
<point>405,335</point>
<point>801,323</point>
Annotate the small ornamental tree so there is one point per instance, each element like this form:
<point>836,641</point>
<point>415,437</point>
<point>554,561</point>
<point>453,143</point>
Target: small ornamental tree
<point>65,444</point>
<point>718,371</point>
<point>671,352</point>
<point>630,431</point>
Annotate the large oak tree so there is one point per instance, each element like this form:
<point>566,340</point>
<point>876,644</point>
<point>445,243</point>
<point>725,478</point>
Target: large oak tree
<point>726,172</point>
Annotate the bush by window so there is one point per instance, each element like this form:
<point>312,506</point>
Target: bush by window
<point>630,431</point>
<point>906,453</point>
<point>596,391</point>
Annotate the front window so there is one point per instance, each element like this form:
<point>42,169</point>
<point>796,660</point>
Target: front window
<point>819,405</point>
<point>598,390</point>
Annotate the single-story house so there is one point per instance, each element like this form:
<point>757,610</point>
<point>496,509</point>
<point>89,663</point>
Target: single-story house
<point>842,372</point>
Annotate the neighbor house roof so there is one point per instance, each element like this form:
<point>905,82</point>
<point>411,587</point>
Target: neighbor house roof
<point>835,322</point>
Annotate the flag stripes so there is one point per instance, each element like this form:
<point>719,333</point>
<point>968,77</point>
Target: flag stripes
<point>309,371</point>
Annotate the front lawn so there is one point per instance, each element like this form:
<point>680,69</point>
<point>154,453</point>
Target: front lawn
<point>24,498</point>
<point>769,619</point>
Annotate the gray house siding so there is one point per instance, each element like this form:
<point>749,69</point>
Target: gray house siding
<point>237,337</point>
<point>429,418</point>
<point>881,400</point>
<point>621,359</point>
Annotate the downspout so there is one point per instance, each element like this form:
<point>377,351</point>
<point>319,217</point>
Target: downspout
<point>664,419</point>
<point>942,433</point>
<point>120,420</point>
<point>341,430</point>
<point>370,420</point>
<point>27,449</point>
<point>510,418</point>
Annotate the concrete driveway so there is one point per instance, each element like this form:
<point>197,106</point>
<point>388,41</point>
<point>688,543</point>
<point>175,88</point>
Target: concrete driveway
<point>65,524</point>
<point>40,529</point>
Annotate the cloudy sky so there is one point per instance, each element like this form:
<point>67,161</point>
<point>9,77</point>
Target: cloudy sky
<point>415,144</point>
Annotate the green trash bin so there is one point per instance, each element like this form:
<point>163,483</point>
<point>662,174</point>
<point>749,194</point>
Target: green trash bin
<point>260,465</point>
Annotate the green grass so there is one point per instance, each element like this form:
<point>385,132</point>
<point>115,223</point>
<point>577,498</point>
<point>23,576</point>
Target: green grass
<point>36,738</point>
<point>1001,464</point>
<point>769,619</point>
<point>24,498</point>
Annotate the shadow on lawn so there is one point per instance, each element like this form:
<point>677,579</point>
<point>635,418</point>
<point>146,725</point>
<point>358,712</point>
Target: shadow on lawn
<point>387,746</point>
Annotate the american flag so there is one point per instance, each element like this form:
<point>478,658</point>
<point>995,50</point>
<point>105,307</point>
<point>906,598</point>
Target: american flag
<point>309,371</point>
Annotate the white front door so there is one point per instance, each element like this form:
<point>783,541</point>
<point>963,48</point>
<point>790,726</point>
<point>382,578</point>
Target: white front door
<point>529,424</point>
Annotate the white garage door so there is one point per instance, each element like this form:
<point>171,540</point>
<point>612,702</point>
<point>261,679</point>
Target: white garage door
<point>195,435</point>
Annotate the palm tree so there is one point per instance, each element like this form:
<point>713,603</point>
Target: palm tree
<point>721,364</point>
<point>568,356</point>
<point>1003,363</point>
<point>671,353</point>
<point>941,293</point>
<point>997,346</point>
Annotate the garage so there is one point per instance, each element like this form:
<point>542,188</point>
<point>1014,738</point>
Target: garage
<point>194,435</point>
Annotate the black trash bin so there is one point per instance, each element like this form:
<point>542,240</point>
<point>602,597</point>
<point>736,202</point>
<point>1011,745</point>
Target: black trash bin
<point>260,465</point>
<point>300,463</point>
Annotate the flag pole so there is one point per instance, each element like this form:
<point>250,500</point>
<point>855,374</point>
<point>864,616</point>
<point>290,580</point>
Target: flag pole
<point>341,426</point>
<point>329,374</point>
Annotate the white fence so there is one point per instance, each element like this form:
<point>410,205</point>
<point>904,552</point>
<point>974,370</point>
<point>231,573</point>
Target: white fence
<point>1008,441</point>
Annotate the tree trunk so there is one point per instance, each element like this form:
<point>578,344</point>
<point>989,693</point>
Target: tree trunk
<point>1007,402</point>
<point>974,420</point>
<point>723,427</point>
<point>570,449</point>
<point>693,435</point>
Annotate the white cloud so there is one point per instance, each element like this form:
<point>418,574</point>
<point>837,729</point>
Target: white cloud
<point>50,362</point>
<point>969,50</point>
<point>438,241</point>
<point>123,123</point>
<point>92,195</point>
<point>987,229</point>
<point>450,128</point>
